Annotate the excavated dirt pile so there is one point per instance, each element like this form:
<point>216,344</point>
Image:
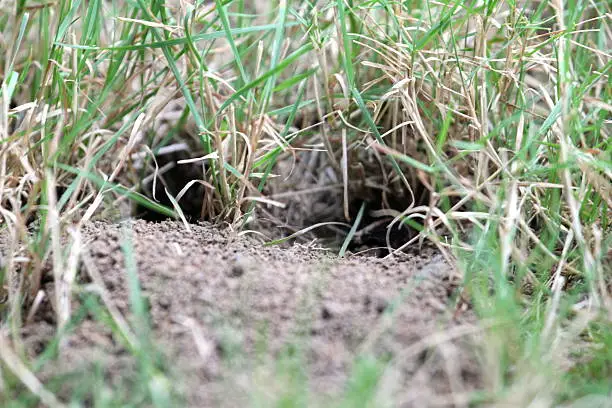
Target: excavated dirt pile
<point>221,305</point>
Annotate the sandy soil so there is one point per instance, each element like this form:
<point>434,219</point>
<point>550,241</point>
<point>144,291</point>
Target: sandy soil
<point>216,297</point>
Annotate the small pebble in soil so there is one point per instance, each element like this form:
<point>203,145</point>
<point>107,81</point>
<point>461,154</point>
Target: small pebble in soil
<point>326,313</point>
<point>376,302</point>
<point>332,310</point>
<point>238,268</point>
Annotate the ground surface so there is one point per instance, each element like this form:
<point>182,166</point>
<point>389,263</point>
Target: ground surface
<point>222,304</point>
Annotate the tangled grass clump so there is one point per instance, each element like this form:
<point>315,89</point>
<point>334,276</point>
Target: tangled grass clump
<point>480,126</point>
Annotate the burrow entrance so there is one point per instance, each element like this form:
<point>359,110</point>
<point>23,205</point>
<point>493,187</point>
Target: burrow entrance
<point>313,193</point>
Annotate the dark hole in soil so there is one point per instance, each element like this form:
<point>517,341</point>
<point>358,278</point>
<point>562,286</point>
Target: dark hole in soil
<point>373,231</point>
<point>173,177</point>
<point>373,234</point>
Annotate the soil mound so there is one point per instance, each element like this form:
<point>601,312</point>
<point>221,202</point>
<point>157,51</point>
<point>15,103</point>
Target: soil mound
<point>222,305</point>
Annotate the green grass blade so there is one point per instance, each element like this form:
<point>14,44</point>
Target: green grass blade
<point>352,231</point>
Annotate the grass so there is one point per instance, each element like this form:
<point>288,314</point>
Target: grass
<point>500,111</point>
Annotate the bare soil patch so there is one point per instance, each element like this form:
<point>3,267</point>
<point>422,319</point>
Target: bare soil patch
<point>224,307</point>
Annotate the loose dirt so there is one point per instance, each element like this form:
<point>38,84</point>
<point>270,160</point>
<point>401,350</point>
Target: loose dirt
<point>223,305</point>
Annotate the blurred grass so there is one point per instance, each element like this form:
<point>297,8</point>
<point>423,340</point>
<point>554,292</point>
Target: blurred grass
<point>501,109</point>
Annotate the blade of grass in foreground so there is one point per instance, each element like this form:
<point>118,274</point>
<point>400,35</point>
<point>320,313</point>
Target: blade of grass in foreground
<point>279,68</point>
<point>132,195</point>
<point>351,234</point>
<point>176,41</point>
<point>347,61</point>
<point>158,384</point>
<point>137,302</point>
<point>230,39</point>
<point>17,44</point>
<point>276,50</point>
